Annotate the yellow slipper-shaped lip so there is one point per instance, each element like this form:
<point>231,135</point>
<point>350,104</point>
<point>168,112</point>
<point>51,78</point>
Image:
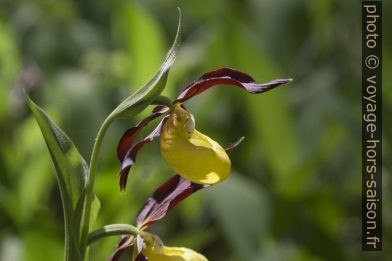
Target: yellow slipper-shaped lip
<point>190,153</point>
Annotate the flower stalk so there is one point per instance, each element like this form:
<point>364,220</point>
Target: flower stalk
<point>111,230</point>
<point>86,217</point>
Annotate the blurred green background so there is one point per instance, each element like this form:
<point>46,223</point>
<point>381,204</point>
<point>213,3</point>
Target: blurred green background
<point>295,190</point>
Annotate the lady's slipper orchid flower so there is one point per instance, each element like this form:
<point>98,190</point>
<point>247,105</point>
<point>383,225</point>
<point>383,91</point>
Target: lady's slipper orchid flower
<point>164,198</point>
<point>187,151</point>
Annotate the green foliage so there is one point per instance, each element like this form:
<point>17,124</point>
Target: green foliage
<point>71,170</point>
<point>75,178</point>
<point>130,17</point>
<point>301,155</point>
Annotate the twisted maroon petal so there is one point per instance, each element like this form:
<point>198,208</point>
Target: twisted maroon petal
<point>125,243</point>
<point>130,157</point>
<point>121,248</point>
<point>230,77</point>
<point>234,144</point>
<point>165,198</point>
<point>131,134</point>
<point>139,246</point>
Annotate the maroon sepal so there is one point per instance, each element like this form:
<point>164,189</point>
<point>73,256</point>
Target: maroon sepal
<point>131,134</point>
<point>234,144</point>
<point>165,198</point>
<point>227,76</point>
<point>130,156</point>
<point>128,242</point>
<point>139,246</point>
<point>125,243</point>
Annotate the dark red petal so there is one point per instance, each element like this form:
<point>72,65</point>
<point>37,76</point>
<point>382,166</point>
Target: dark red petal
<point>130,135</point>
<point>121,248</point>
<point>165,198</point>
<point>126,243</point>
<point>235,144</point>
<point>130,156</point>
<point>139,248</point>
<point>230,77</point>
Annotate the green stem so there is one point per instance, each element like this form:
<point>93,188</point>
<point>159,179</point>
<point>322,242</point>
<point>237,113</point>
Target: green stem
<point>85,223</point>
<point>111,230</point>
<point>163,100</point>
<point>90,184</point>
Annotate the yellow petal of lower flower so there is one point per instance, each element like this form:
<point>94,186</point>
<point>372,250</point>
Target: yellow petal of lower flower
<point>154,250</point>
<point>190,153</point>
<point>173,254</point>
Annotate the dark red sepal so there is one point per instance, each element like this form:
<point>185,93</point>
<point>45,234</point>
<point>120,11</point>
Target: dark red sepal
<point>125,243</point>
<point>131,134</point>
<point>227,76</point>
<point>130,156</point>
<point>164,199</point>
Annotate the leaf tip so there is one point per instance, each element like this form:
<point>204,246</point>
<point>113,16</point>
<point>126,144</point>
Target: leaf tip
<point>30,103</point>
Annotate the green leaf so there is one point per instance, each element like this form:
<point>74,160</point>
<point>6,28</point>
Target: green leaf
<point>71,171</point>
<point>143,97</point>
